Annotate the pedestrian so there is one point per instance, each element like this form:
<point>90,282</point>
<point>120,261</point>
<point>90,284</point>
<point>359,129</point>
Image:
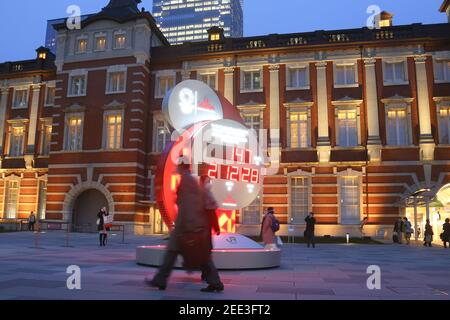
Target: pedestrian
<point>210,211</point>
<point>428,234</point>
<point>445,237</point>
<point>102,226</point>
<point>191,219</point>
<point>31,221</point>
<point>397,235</point>
<point>267,229</point>
<point>362,225</point>
<point>310,230</point>
<point>408,230</point>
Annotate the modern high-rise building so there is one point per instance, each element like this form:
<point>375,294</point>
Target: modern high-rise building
<point>189,20</point>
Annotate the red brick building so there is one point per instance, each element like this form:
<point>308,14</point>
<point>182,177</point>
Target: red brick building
<point>362,117</point>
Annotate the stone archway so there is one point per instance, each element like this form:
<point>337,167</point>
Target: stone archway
<point>85,210</point>
<point>99,193</point>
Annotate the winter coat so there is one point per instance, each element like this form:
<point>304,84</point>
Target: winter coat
<point>191,216</point>
<point>428,230</point>
<point>446,229</point>
<point>267,233</point>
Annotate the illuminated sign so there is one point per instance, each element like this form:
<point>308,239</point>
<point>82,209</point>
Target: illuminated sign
<point>191,102</point>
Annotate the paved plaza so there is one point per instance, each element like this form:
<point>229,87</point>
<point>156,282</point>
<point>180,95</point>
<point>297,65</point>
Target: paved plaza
<point>327,272</point>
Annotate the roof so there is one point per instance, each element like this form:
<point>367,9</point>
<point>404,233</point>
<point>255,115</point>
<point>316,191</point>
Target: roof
<point>444,6</point>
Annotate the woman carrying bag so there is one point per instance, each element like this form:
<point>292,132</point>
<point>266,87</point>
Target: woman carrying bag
<point>103,226</point>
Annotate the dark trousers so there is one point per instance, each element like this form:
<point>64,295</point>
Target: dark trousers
<point>310,238</point>
<point>210,271</point>
<point>31,226</point>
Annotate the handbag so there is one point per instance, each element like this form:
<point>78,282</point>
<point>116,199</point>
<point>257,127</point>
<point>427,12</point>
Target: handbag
<point>195,249</point>
<point>108,221</point>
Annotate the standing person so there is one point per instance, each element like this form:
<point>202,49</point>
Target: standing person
<point>310,230</point>
<point>31,221</point>
<point>210,211</point>
<point>101,227</point>
<point>446,232</point>
<point>191,218</point>
<point>398,230</point>
<point>362,225</point>
<point>267,232</point>
<point>408,230</point>
<point>428,234</point>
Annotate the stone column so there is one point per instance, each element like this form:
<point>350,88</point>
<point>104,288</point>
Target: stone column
<point>274,113</point>
<point>323,142</point>
<point>373,124</point>
<point>416,236</point>
<point>31,146</point>
<point>427,207</point>
<point>229,84</point>
<point>426,141</point>
<point>3,106</point>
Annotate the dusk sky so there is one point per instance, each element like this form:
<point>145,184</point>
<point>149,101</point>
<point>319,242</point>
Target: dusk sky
<point>23,23</point>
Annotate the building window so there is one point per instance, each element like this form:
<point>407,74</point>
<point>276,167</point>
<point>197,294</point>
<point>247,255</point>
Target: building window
<point>397,127</point>
<point>113,131</point>
<point>299,194</point>
<point>395,72</point>
<point>345,74</point>
<point>209,79</point>
<point>100,43</point>
<point>252,121</point>
<point>298,78</point>
<point>116,82</point>
<point>163,85</point>
<point>442,70</point>
<point>77,86</point>
<point>20,99</point>
<point>347,128</point>
<point>251,80</point>
<point>349,192</point>
<point>82,45</point>
<point>46,138</point>
<point>74,132</point>
<point>298,130</point>
<point>11,199</point>
<point>17,139</point>
<point>252,213</point>
<point>444,125</point>
<point>50,96</point>
<point>161,134</point>
<point>42,200</point>
<point>119,41</point>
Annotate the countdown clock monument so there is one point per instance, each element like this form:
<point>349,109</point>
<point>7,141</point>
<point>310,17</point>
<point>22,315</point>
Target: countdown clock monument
<point>211,135</point>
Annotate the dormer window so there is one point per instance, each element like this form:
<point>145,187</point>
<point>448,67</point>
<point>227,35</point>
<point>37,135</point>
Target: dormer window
<point>100,42</point>
<point>119,40</point>
<point>215,37</point>
<point>42,55</point>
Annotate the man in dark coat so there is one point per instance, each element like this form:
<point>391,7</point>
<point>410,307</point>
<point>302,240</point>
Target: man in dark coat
<point>310,229</point>
<point>191,219</point>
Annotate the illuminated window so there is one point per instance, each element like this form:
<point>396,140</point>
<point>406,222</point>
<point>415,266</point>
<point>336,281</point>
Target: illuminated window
<point>100,43</point>
<point>50,96</point>
<point>298,77</point>
<point>82,45</point>
<point>444,125</point>
<point>251,80</point>
<point>77,85</point>
<point>116,82</point>
<point>349,194</point>
<point>163,85</point>
<point>46,138</point>
<point>74,132</point>
<point>397,127</point>
<point>299,199</point>
<point>347,128</point>
<point>215,37</point>
<point>395,72</point>
<point>119,41</point>
<point>345,74</point>
<point>20,99</point>
<point>11,199</point>
<point>442,70</point>
<point>16,142</point>
<point>209,79</point>
<point>113,130</point>
<point>298,130</point>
